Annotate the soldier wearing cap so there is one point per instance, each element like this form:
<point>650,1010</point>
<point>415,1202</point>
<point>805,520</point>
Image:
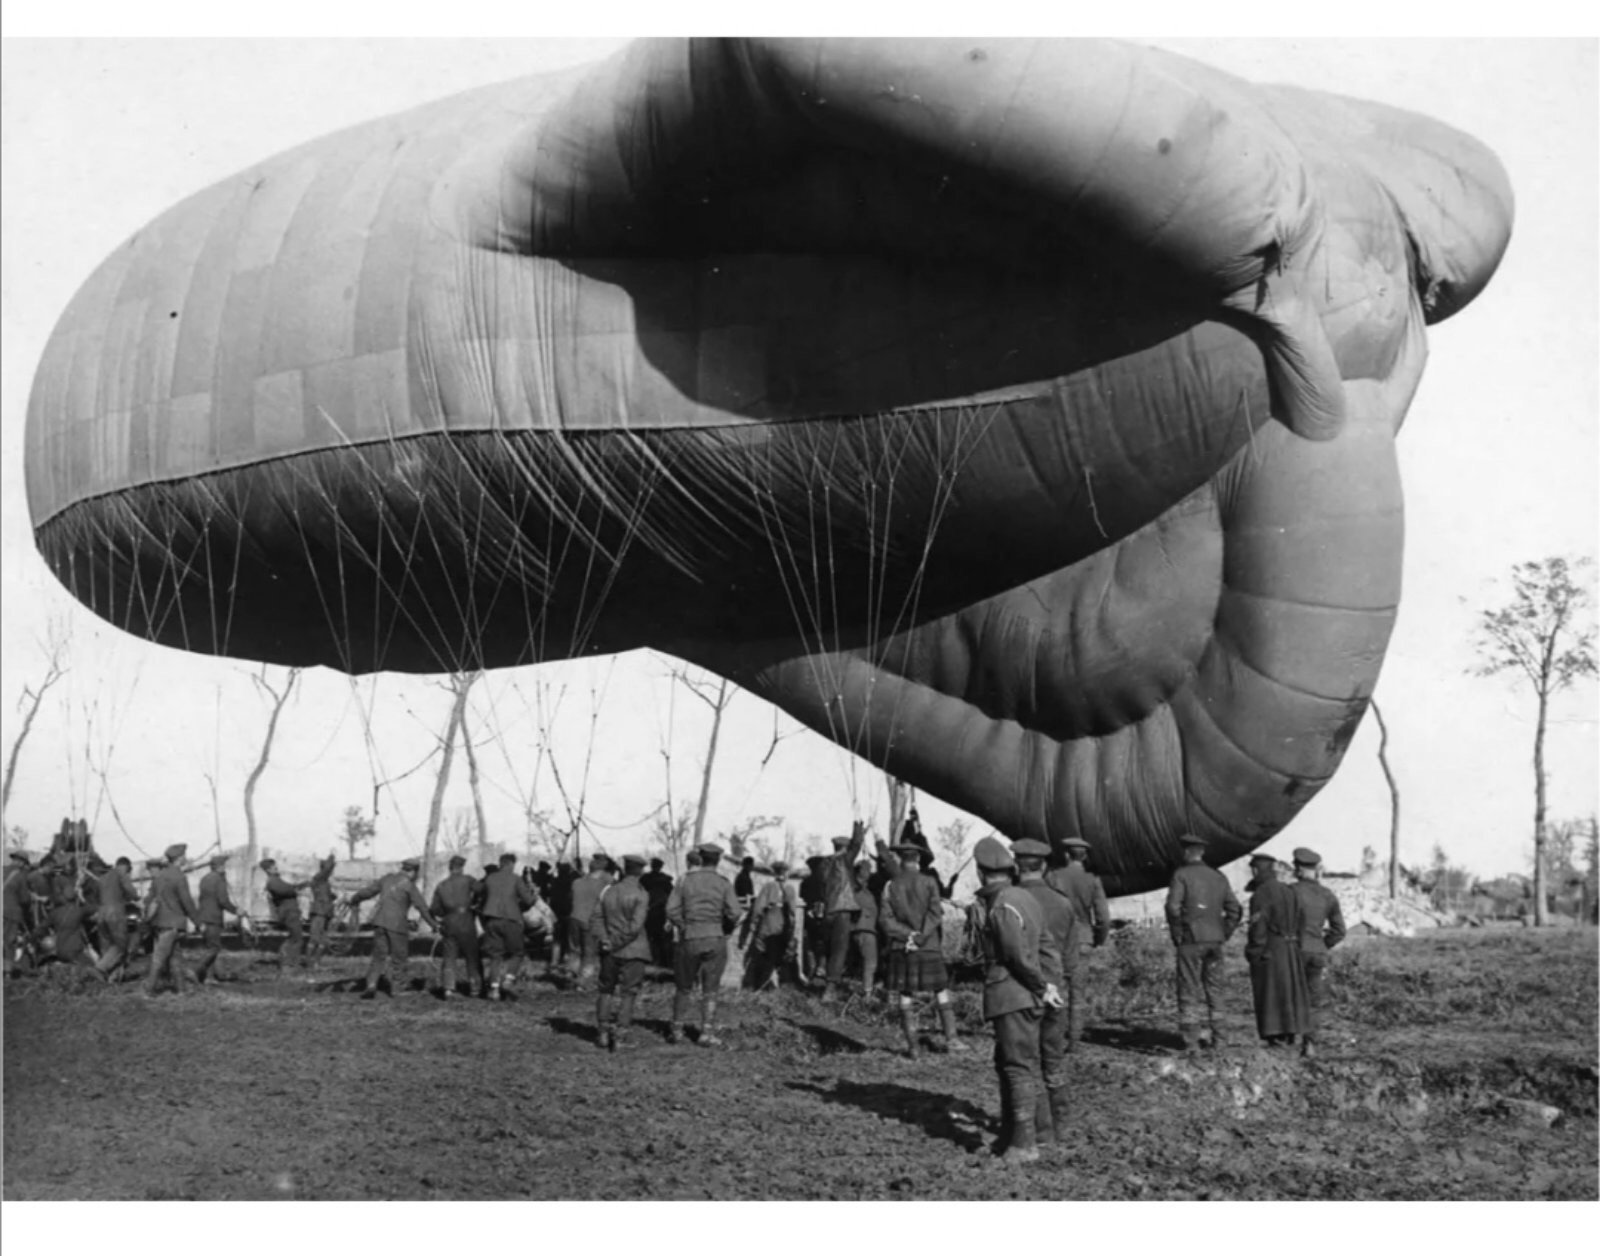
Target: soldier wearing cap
<point>586,890</point>
<point>1202,913</point>
<point>1060,920</point>
<point>1277,976</point>
<point>773,917</point>
<point>1321,929</point>
<point>455,900</point>
<point>214,901</point>
<point>912,916</point>
<point>397,894</point>
<point>1092,925</point>
<point>284,898</point>
<point>116,893</point>
<point>658,885</point>
<point>839,904</point>
<point>1017,950</point>
<point>16,908</point>
<point>174,908</point>
<point>505,897</point>
<point>618,928</point>
<point>704,910</point>
<point>320,918</point>
<point>864,927</point>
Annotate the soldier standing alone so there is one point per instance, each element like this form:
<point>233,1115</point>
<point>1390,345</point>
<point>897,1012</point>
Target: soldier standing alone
<point>618,927</point>
<point>1092,924</point>
<point>1321,929</point>
<point>704,910</point>
<point>1015,991</point>
<point>1202,914</point>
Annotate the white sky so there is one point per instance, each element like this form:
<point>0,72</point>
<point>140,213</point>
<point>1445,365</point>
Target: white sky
<point>1499,461</point>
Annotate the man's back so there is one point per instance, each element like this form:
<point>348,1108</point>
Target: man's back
<point>703,904</point>
<point>1201,906</point>
<point>173,902</point>
<point>214,898</point>
<point>454,895</point>
<point>1088,897</point>
<point>1058,919</point>
<point>505,896</point>
<point>1321,919</point>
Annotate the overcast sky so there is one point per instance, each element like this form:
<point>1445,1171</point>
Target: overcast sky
<point>1498,456</point>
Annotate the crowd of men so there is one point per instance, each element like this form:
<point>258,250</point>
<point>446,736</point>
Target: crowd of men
<point>1035,913</point>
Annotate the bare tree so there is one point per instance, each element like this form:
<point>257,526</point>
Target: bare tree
<point>356,827</point>
<point>1394,801</point>
<point>671,833</point>
<point>460,685</point>
<point>56,648</point>
<point>474,782</point>
<point>1540,634</point>
<point>717,698</point>
<point>461,832</point>
<point>741,838</point>
<point>279,699</point>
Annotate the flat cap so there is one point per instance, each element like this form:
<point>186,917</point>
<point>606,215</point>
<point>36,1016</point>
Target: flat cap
<point>633,861</point>
<point>219,861</point>
<point>157,862</point>
<point>411,865</point>
<point>907,848</point>
<point>779,867</point>
<point>1074,843</point>
<point>709,850</point>
<point>992,854</point>
<point>458,861</point>
<point>1028,846</point>
<point>176,851</point>
<point>1193,839</point>
<point>1306,857</point>
<point>839,843</point>
<point>21,858</point>
<point>267,863</point>
<point>1270,861</point>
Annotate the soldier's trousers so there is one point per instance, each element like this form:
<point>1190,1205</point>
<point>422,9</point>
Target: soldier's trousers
<point>1075,990</point>
<point>13,932</point>
<point>391,949</point>
<point>502,947</point>
<point>113,942</point>
<point>289,953</point>
<point>460,944</point>
<point>212,936</point>
<point>317,937</point>
<point>866,946</point>
<point>700,961</point>
<point>838,935</point>
<point>1053,1026</point>
<point>164,959</point>
<point>1017,1061</point>
<point>1316,967</point>
<point>1199,981</point>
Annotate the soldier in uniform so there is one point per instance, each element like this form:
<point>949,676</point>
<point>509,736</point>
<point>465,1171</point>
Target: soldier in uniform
<point>174,908</point>
<point>284,898</point>
<point>1277,976</point>
<point>618,928</point>
<point>1093,925</point>
<point>839,904</point>
<point>69,918</point>
<point>1060,922</point>
<point>214,901</point>
<point>704,910</point>
<point>864,928</point>
<point>322,906</point>
<point>115,891</point>
<point>658,885</point>
<point>586,890</point>
<point>1321,929</point>
<point>912,916</point>
<point>16,908</point>
<point>1015,992</point>
<point>505,897</point>
<point>772,919</point>
<point>454,902</point>
<point>397,894</point>
<point>1202,914</point>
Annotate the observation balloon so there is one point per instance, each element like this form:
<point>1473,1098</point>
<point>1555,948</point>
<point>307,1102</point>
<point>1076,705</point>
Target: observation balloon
<point>1019,414</point>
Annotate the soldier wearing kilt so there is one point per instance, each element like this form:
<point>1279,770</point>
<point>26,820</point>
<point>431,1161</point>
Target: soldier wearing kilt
<point>912,918</point>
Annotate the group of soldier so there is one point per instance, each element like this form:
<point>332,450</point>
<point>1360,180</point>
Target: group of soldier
<point>1029,926</point>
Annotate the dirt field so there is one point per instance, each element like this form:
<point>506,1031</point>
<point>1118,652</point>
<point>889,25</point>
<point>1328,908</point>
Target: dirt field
<point>266,1088</point>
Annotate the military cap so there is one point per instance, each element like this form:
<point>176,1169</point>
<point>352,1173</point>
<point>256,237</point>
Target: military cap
<point>1193,839</point>
<point>1075,843</point>
<point>267,863</point>
<point>598,861</point>
<point>458,861</point>
<point>1270,861</point>
<point>176,851</point>
<point>508,860</point>
<point>992,855</point>
<point>839,843</point>
<point>157,862</point>
<point>633,861</point>
<point>219,861</point>
<point>709,850</point>
<point>1028,846</point>
<point>779,867</point>
<point>1306,857</point>
<point>411,865</point>
<point>906,848</point>
<point>21,858</point>
<point>813,860</point>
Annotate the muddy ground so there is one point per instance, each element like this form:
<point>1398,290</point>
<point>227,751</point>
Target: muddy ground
<point>1439,1053</point>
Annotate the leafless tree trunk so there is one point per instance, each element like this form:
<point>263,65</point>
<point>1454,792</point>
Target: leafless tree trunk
<point>477,786</point>
<point>56,652</point>
<point>899,804</point>
<point>717,699</point>
<point>279,699</point>
<point>1541,887</point>
<point>460,684</point>
<point>1394,803</point>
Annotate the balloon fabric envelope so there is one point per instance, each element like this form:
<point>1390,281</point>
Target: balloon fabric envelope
<point>1020,415</point>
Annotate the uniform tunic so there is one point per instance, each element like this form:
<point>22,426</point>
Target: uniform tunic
<point>911,909</point>
<point>285,900</point>
<point>1202,913</point>
<point>1060,922</point>
<point>705,910</point>
<point>214,901</point>
<point>171,907</point>
<point>1321,929</point>
<point>454,899</point>
<point>586,892</point>
<point>397,894</point>
<point>1277,977</point>
<point>505,897</point>
<point>1013,935</point>
<point>617,925</point>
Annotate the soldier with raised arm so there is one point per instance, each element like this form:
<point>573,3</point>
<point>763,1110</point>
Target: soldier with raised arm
<point>1202,914</point>
<point>323,901</point>
<point>284,898</point>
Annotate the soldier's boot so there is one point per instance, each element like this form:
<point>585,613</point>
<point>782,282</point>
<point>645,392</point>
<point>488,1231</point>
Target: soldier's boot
<point>908,1026</point>
<point>602,1019</point>
<point>947,1023</point>
<point>1022,1149</point>
<point>708,1025</point>
<point>1060,1104</point>
<point>1191,1038</point>
<point>1007,1119</point>
<point>830,994</point>
<point>1308,1047</point>
<point>1043,1125</point>
<point>680,1008</point>
<point>1218,1038</point>
<point>621,1038</point>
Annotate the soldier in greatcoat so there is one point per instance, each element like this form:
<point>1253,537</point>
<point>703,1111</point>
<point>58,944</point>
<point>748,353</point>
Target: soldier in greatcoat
<point>1321,929</point>
<point>215,900</point>
<point>1277,976</point>
<point>172,909</point>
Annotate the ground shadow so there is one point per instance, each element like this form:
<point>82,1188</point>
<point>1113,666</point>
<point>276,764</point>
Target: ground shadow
<point>1141,1039</point>
<point>939,1116</point>
<point>827,1039</point>
<point>576,1029</point>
